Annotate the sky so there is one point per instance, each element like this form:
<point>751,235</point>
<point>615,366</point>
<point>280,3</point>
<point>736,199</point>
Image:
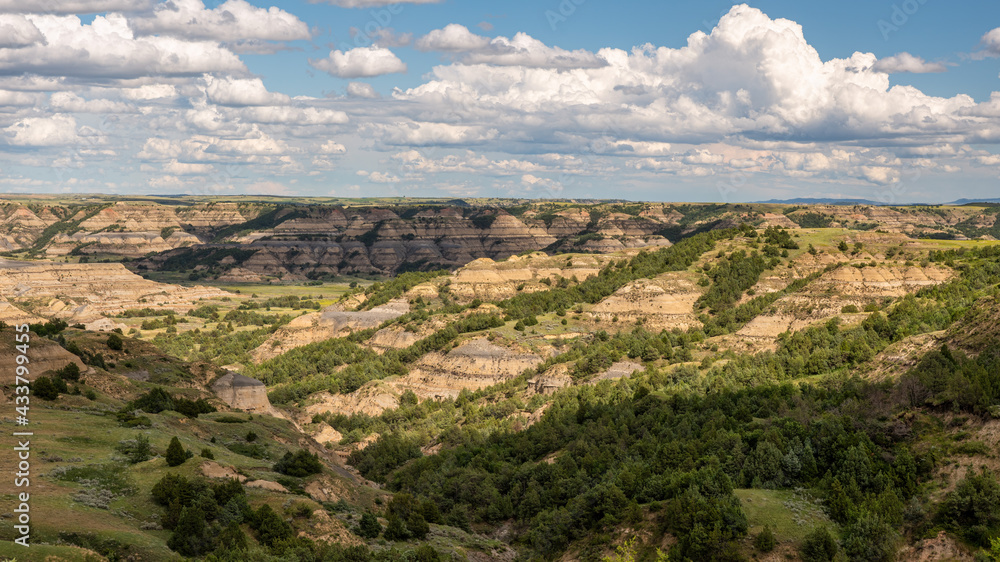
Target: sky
<point>895,101</point>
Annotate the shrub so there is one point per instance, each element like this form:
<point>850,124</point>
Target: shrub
<point>207,454</point>
<point>765,541</point>
<point>44,389</point>
<point>819,546</point>
<point>175,453</point>
<point>300,464</point>
<point>115,342</point>
<point>369,527</point>
<point>135,450</point>
<point>71,372</point>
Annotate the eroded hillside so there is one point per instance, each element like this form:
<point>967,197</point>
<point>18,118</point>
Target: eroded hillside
<point>804,370</point>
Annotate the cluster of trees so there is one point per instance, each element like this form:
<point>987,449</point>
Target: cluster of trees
<point>250,318</point>
<point>298,464</point>
<point>220,345</point>
<point>207,520</point>
<point>681,455</point>
<point>188,259</point>
<point>952,380</point>
<point>380,293</point>
<point>731,277</point>
<point>614,276</point>
<point>48,388</point>
<point>316,366</point>
<point>811,219</point>
<point>158,400</point>
<point>285,301</point>
<point>729,320</point>
<point>780,237</point>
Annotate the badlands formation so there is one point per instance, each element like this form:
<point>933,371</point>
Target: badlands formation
<point>85,293</point>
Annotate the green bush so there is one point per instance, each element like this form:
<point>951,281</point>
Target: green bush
<point>819,546</point>
<point>369,527</point>
<point>176,455</point>
<point>299,464</point>
<point>44,389</point>
<point>765,541</point>
<point>115,342</point>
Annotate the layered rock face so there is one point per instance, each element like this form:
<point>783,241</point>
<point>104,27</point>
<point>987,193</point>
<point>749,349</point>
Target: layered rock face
<point>475,364</point>
<point>44,354</point>
<point>292,241</point>
<point>87,292</point>
<point>242,393</point>
<point>330,322</point>
<point>122,228</point>
<point>666,302</point>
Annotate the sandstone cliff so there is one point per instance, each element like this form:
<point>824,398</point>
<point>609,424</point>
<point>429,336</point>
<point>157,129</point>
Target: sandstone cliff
<point>87,292</point>
<point>330,322</point>
<point>242,393</point>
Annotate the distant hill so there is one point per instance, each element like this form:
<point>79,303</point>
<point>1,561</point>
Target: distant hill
<point>831,201</point>
<point>824,201</point>
<point>972,201</point>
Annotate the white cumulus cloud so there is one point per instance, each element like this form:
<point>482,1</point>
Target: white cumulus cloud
<point>905,62</point>
<point>453,38</point>
<point>56,130</point>
<point>362,90</point>
<point>233,20</point>
<point>360,63</point>
<point>241,92</point>
<point>18,31</point>
<point>107,48</point>
<point>521,50</point>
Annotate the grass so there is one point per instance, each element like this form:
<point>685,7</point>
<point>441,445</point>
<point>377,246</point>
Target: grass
<point>790,514</point>
<point>83,441</point>
<point>50,553</point>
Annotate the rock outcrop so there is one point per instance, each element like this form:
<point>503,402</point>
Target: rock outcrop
<point>242,393</point>
<point>331,322</point>
<point>88,292</point>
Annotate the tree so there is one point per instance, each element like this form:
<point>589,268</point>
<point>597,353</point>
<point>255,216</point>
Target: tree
<point>44,389</point>
<point>842,246</point>
<point>300,464</point>
<point>232,538</point>
<point>819,546</point>
<point>765,541</point>
<point>115,342</point>
<point>270,528</point>
<point>396,530</point>
<point>369,527</point>
<point>175,453</point>
<point>870,539</point>
<point>70,372</point>
<point>190,536</point>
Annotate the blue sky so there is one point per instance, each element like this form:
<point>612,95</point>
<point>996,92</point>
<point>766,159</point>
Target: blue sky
<point>555,98</point>
<point>936,31</point>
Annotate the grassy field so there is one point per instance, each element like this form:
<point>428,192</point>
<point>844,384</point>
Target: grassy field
<point>790,514</point>
<point>67,436</point>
